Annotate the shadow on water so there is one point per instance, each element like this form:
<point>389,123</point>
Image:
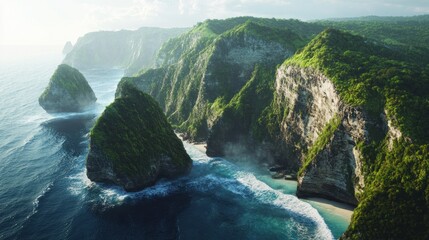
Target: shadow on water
<point>72,129</point>
<point>152,218</point>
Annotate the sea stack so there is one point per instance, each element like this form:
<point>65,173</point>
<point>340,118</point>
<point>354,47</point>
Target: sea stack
<point>68,91</point>
<point>133,145</point>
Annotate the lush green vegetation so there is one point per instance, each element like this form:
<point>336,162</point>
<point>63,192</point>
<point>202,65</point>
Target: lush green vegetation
<point>379,78</point>
<point>409,34</point>
<point>69,79</point>
<point>134,134</point>
<point>396,204</point>
<point>320,144</point>
<point>303,29</point>
<point>194,72</point>
<point>405,31</point>
<point>374,77</point>
<point>239,117</point>
<point>67,91</point>
<point>384,71</point>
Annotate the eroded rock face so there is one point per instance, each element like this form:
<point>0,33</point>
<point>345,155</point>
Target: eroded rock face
<point>196,69</point>
<point>68,91</point>
<point>336,170</point>
<point>133,145</point>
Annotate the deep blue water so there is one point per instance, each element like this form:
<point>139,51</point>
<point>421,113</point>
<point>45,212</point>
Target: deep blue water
<point>44,192</point>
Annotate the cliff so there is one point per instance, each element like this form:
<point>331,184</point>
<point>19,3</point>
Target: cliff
<point>320,132</point>
<point>346,113</point>
<point>68,91</point>
<point>204,68</point>
<point>130,50</point>
<point>375,132</point>
<point>133,145</point>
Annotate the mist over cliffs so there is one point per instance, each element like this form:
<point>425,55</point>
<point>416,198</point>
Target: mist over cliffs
<point>130,50</point>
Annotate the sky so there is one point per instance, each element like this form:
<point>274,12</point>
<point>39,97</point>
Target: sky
<point>53,22</point>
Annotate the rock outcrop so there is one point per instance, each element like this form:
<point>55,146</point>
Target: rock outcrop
<point>68,91</point>
<point>133,145</point>
<point>322,132</point>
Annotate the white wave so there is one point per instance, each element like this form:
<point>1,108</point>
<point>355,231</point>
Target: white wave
<point>90,113</point>
<point>79,183</point>
<point>220,173</point>
<point>36,118</point>
<point>36,201</point>
<point>291,203</point>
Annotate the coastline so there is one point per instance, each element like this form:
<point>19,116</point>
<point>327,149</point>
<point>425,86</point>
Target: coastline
<point>341,210</point>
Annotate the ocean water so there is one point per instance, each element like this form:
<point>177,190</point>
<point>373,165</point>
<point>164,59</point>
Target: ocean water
<point>45,194</point>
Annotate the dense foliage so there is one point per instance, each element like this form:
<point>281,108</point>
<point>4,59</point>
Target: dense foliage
<point>407,33</point>
<point>321,141</point>
<point>134,134</point>
<point>380,79</point>
<point>194,70</point>
<point>396,204</point>
<point>373,76</point>
<point>67,91</point>
<point>383,71</point>
<point>238,118</point>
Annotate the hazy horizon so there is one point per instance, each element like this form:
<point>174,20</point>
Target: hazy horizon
<point>50,22</point>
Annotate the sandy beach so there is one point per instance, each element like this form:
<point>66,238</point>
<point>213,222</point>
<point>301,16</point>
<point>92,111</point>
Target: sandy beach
<point>345,211</point>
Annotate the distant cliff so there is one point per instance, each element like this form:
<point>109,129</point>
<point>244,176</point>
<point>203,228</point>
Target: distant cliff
<point>68,47</point>
<point>67,91</point>
<point>131,50</point>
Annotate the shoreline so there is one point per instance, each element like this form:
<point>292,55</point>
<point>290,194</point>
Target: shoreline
<point>339,209</point>
<point>342,210</point>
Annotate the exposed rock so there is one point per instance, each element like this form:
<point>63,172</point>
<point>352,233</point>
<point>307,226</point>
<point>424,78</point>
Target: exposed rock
<point>68,91</point>
<point>133,145</point>
<point>277,168</point>
<point>335,172</point>
<point>197,69</point>
<point>278,175</point>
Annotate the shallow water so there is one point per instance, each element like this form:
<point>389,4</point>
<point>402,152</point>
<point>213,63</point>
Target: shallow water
<point>44,192</point>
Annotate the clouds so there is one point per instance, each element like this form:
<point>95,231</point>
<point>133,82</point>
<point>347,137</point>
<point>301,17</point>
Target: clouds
<point>53,21</point>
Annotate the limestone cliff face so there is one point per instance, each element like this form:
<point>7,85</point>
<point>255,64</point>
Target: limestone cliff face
<point>206,65</point>
<point>335,170</point>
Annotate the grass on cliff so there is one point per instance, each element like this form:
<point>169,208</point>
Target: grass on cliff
<point>378,78</point>
<point>133,132</point>
<point>373,76</point>
<point>198,55</point>
<point>69,79</point>
<point>322,140</point>
<point>239,117</point>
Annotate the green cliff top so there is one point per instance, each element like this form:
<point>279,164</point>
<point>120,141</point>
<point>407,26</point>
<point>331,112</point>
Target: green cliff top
<point>377,77</point>
<point>374,76</point>
<point>134,133</point>
<point>69,79</point>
